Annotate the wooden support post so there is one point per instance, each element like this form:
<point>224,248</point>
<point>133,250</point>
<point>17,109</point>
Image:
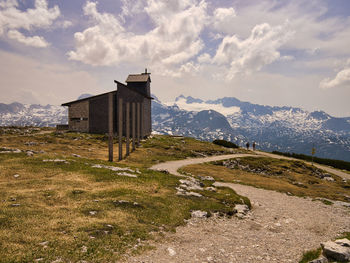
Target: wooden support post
<point>110,127</point>
<point>133,120</point>
<point>127,128</point>
<point>120,128</point>
<point>141,121</point>
<point>138,123</point>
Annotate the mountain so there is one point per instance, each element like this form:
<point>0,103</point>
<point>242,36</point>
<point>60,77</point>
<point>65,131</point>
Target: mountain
<point>32,115</point>
<point>286,129</point>
<point>273,128</point>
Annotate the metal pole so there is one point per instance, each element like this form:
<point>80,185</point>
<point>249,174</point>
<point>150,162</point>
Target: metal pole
<point>110,127</point>
<point>127,128</point>
<point>120,128</point>
<point>133,120</point>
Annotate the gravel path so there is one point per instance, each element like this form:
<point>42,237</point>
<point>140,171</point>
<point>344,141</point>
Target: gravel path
<point>279,228</point>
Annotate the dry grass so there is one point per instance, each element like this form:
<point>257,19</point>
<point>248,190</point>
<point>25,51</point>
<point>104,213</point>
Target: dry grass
<point>71,211</point>
<point>281,175</point>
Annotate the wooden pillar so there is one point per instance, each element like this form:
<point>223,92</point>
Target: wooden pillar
<point>127,128</point>
<point>133,125</point>
<point>110,127</point>
<point>138,123</point>
<point>120,128</point>
<point>141,121</point>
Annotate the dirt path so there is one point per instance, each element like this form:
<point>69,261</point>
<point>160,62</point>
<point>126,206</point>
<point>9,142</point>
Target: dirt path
<point>278,229</point>
<point>173,166</point>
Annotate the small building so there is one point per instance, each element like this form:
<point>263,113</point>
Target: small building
<point>91,114</point>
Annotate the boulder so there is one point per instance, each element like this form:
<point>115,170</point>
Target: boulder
<point>321,259</point>
<point>338,252</point>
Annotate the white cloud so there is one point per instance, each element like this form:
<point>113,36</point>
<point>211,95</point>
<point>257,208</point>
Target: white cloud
<point>251,54</point>
<point>223,18</point>
<point>182,104</point>
<point>173,42</point>
<point>35,41</point>
<point>29,80</point>
<point>12,20</point>
<point>341,79</point>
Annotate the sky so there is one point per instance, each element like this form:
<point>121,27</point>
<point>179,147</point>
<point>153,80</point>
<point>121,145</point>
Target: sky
<point>270,52</point>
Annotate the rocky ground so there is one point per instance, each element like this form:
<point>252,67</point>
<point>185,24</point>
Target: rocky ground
<point>278,229</point>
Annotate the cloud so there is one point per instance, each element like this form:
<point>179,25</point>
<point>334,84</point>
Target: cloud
<point>341,79</point>
<point>13,19</point>
<point>223,18</point>
<point>29,80</point>
<point>172,42</point>
<point>35,41</point>
<point>196,106</point>
<point>251,54</point>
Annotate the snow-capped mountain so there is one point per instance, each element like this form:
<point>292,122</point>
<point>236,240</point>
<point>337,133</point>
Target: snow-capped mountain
<point>273,128</point>
<point>32,115</point>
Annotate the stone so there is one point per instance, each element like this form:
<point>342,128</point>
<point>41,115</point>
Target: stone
<point>336,251</point>
<point>92,213</point>
<point>30,153</point>
<point>15,205</point>
<point>127,174</point>
<point>16,175</point>
<point>241,210</point>
<point>321,259</point>
<point>210,188</point>
<point>76,155</point>
<point>171,251</point>
<point>84,249</point>
<point>343,242</point>
<point>199,214</point>
<point>329,179</point>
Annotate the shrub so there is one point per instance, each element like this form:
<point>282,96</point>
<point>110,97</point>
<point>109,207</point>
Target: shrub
<point>226,144</point>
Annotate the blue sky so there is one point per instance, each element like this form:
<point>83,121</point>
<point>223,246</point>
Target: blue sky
<point>293,53</point>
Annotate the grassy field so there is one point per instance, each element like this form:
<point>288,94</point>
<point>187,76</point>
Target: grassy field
<point>56,206</point>
<point>294,177</point>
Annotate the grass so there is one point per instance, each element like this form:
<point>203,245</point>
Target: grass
<point>73,211</point>
<point>311,255</point>
<point>286,176</point>
<point>339,164</point>
<point>167,148</point>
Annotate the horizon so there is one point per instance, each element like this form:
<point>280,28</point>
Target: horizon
<point>204,106</point>
<point>290,53</point>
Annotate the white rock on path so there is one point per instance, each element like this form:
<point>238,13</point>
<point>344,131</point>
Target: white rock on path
<point>171,251</point>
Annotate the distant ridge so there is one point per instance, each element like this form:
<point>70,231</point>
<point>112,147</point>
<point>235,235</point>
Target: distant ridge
<point>284,129</point>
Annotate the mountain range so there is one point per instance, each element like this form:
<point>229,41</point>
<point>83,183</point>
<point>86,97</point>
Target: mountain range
<point>285,129</point>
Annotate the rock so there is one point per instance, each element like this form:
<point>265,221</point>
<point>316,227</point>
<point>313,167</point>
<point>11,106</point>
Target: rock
<point>92,213</point>
<point>336,251</point>
<point>191,184</point>
<point>76,155</point>
<point>210,188</point>
<point>16,175</point>
<point>30,153</point>
<point>329,179</point>
<point>12,199</point>
<point>15,205</point>
<point>343,242</point>
<point>321,259</point>
<point>207,178</point>
<point>171,251</point>
<point>241,210</point>
<point>84,249</point>
<point>199,214</point>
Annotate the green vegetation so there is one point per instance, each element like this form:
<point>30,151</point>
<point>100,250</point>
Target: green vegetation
<point>167,148</point>
<point>331,162</point>
<point>311,255</point>
<point>61,207</point>
<point>294,177</point>
<point>226,144</point>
